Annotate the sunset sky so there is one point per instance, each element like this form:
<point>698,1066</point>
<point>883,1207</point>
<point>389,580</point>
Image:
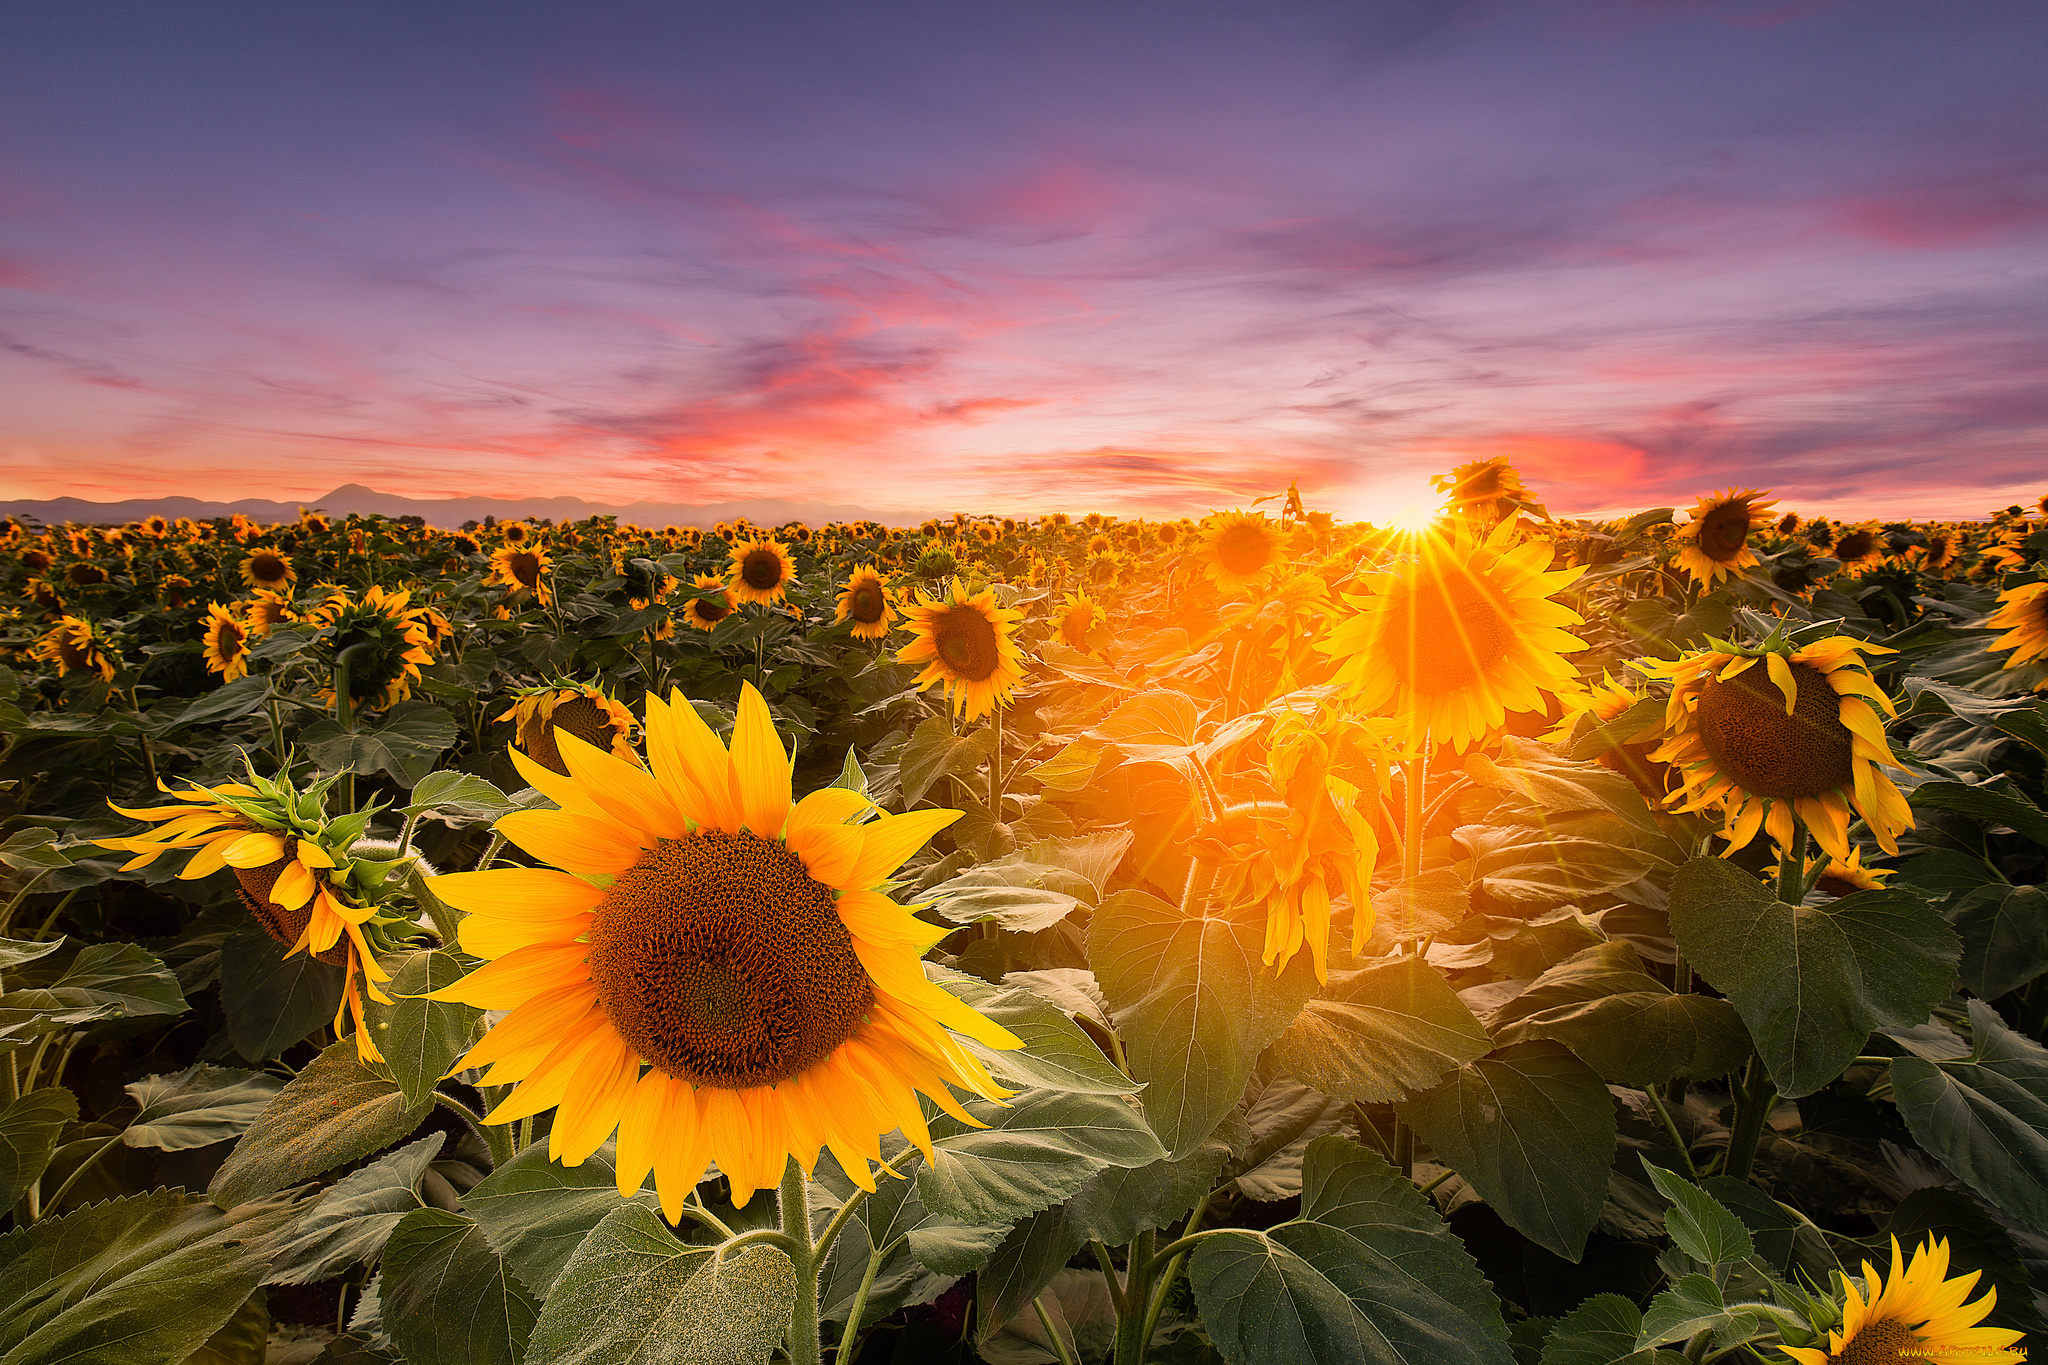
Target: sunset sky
<point>1015,257</point>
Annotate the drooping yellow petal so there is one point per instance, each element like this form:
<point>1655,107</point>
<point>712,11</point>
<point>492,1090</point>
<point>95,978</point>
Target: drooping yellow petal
<point>259,849</point>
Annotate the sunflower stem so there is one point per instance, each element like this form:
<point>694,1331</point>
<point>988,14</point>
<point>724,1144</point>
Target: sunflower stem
<point>1792,867</point>
<point>1671,1131</point>
<point>1052,1333</point>
<point>802,1342</point>
<point>849,1339</point>
<point>995,764</point>
<point>1759,1096</point>
<point>1416,781</point>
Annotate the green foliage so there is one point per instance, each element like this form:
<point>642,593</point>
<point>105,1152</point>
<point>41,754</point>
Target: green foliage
<point>333,1112</point>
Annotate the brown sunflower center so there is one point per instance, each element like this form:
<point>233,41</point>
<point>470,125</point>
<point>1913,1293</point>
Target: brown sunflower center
<point>1856,545</point>
<point>711,609</point>
<point>85,575</point>
<point>966,642</point>
<point>229,640</point>
<point>1446,633</point>
<point>266,568</point>
<point>72,654</point>
<point>281,924</point>
<point>1883,1342</point>
<point>1750,738</point>
<point>581,717</point>
<point>719,960</point>
<point>1725,530</point>
<point>524,566</point>
<point>1244,548</point>
<point>1074,626</point>
<point>761,570</point>
<point>865,603</point>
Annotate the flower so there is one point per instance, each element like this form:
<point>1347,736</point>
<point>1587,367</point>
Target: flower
<point>1453,636</point>
<point>1485,491</point>
<point>865,602</point>
<point>1916,1315</point>
<point>394,630</point>
<point>75,643</point>
<point>2023,615</point>
<point>1715,543</point>
<point>1864,544</point>
<point>1846,876</point>
<point>964,643</point>
<point>743,991</point>
<point>268,569</point>
<point>584,711</point>
<point>1798,736</point>
<point>761,570</point>
<point>293,871</point>
<point>1078,616</point>
<point>705,613</point>
<point>265,612</point>
<point>521,569</point>
<point>1242,548</point>
<point>225,644</point>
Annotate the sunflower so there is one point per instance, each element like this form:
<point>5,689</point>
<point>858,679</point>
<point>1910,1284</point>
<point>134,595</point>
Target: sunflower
<point>225,644</point>
<point>1846,876</point>
<point>175,590</point>
<point>1485,491</point>
<point>1078,616</point>
<point>965,643</point>
<point>396,634</point>
<point>516,534</point>
<point>1788,524</point>
<point>265,612</point>
<point>865,602</point>
<point>582,710</point>
<point>1715,543</point>
<point>1940,552</point>
<point>705,613</point>
<point>77,644</point>
<point>1916,1315</point>
<point>521,569</point>
<point>743,990</point>
<point>2023,615</point>
<point>1243,548</point>
<point>312,521</point>
<point>35,561</point>
<point>1797,737</point>
<point>1455,635</point>
<point>267,569</point>
<point>85,574</point>
<point>1099,544</point>
<point>294,872</point>
<point>1861,545</point>
<point>761,570</point>
<point>1104,571</point>
<point>44,594</point>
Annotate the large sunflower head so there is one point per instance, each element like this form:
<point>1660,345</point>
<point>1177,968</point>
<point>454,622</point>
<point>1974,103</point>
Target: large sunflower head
<point>2023,615</point>
<point>704,613</point>
<point>1457,633</point>
<point>761,570</point>
<point>267,569</point>
<point>225,644</point>
<point>1715,543</point>
<point>865,602</point>
<point>742,989</point>
<point>522,569</point>
<point>1915,1315</point>
<point>395,635</point>
<point>1243,548</point>
<point>966,644</point>
<point>1781,732</point>
<point>77,645</point>
<point>295,871</point>
<point>582,710</point>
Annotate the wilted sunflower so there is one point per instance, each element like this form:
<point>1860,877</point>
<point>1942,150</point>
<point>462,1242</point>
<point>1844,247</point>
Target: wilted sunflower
<point>865,602</point>
<point>1916,1315</point>
<point>75,643</point>
<point>225,644</point>
<point>1715,543</point>
<point>761,570</point>
<point>1780,732</point>
<point>744,990</point>
<point>396,633</point>
<point>965,643</point>
<point>521,569</point>
<point>1485,490</point>
<point>2023,615</point>
<point>582,710</point>
<point>705,613</point>
<point>267,569</point>
<point>295,872</point>
<point>1456,634</point>
<point>1078,616</point>
<point>1243,548</point>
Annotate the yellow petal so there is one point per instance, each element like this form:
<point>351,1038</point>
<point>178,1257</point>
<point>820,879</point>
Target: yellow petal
<point>537,889</point>
<point>311,854</point>
<point>574,843</point>
<point>543,1019</point>
<point>890,840</point>
<point>253,850</point>
<point>760,765</point>
<point>690,762</point>
<point>626,791</point>
<point>826,806</point>
<point>293,887</point>
<point>829,852</point>
<point>1781,674</point>
<point>492,936</point>
<point>518,976</point>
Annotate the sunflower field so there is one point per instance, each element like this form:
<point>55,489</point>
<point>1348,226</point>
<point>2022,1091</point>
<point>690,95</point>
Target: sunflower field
<point>1508,940</point>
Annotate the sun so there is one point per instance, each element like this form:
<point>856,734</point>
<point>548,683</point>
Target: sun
<point>1410,508</point>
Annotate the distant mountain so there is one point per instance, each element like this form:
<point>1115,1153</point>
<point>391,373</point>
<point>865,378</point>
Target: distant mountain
<point>449,513</point>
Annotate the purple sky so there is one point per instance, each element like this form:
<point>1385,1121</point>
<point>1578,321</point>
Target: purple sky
<point>1136,257</point>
